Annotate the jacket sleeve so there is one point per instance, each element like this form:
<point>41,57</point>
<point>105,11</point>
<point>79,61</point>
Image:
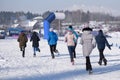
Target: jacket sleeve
<point>48,39</point>
<point>94,42</point>
<point>31,38</point>
<point>26,38</point>
<point>18,39</point>
<point>81,40</point>
<point>75,33</point>
<point>38,39</point>
<point>75,38</point>
<point>65,38</point>
<point>108,45</point>
<point>56,37</point>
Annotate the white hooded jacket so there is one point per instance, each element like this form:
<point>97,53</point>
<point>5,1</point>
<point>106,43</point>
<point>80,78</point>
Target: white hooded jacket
<point>88,43</point>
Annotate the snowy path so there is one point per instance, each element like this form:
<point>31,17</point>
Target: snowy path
<point>42,67</point>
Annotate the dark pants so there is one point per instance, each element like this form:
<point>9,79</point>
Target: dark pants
<point>23,54</point>
<point>71,50</point>
<point>88,63</point>
<point>101,55</point>
<point>52,50</point>
<point>23,51</point>
<point>74,52</point>
<point>35,49</point>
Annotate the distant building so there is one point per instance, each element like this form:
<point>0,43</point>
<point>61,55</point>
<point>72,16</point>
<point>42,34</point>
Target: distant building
<point>13,31</point>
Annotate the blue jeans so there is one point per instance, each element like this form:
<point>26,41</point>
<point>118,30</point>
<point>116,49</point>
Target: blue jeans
<point>36,49</point>
<point>71,51</point>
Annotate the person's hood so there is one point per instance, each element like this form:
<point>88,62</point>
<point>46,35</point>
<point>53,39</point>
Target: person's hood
<point>100,33</point>
<point>87,29</point>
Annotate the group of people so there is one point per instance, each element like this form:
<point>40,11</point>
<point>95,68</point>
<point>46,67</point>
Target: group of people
<point>52,41</point>
<point>88,42</point>
<point>22,39</point>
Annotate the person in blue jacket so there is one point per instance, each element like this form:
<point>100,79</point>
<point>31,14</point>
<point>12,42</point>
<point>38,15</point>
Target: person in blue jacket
<point>101,43</point>
<point>52,42</point>
<point>35,42</point>
<point>76,39</point>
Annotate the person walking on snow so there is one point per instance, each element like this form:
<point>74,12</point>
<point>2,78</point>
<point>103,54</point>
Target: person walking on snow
<point>52,42</point>
<point>88,44</point>
<point>35,42</point>
<point>69,38</point>
<point>101,43</point>
<point>75,40</point>
<point>22,39</point>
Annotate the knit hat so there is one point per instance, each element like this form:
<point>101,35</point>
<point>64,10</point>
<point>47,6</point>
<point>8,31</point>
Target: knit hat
<point>71,27</point>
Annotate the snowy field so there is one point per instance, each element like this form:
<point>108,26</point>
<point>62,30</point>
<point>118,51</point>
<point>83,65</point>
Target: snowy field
<point>43,67</point>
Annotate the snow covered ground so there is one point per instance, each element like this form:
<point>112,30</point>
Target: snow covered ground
<point>43,67</point>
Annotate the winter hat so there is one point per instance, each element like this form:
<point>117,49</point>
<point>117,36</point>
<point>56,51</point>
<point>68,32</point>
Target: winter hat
<point>70,27</point>
<point>87,29</point>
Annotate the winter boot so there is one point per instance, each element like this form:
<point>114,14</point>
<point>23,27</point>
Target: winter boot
<point>100,62</point>
<point>53,56</point>
<point>105,62</point>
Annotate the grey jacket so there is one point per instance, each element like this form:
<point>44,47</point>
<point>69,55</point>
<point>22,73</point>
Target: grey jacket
<point>88,42</point>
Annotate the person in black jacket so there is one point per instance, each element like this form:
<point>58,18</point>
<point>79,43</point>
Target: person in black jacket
<point>101,43</point>
<point>35,42</point>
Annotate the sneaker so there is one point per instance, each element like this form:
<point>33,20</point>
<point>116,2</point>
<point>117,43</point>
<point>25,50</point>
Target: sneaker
<point>53,56</point>
<point>37,49</point>
<point>34,55</point>
<point>56,51</point>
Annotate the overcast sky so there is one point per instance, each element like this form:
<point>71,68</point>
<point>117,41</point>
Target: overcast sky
<point>40,6</point>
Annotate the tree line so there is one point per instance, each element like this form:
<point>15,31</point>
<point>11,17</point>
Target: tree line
<point>7,17</point>
<point>77,16</point>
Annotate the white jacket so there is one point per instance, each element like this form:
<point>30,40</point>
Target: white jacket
<point>88,43</point>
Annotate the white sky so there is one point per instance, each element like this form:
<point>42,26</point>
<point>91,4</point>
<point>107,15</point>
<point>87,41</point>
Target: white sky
<point>40,6</point>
